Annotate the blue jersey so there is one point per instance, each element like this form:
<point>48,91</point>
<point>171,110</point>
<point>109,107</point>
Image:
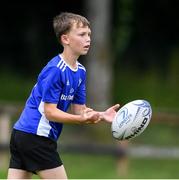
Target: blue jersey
<point>58,84</point>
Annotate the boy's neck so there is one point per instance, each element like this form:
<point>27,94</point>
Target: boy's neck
<point>70,59</point>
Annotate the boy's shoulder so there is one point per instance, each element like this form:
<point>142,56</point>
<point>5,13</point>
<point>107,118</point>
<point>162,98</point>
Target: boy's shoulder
<point>56,63</point>
<point>80,66</point>
<point>51,66</point>
<point>59,63</point>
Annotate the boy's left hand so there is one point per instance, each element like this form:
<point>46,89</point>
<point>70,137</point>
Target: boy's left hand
<point>109,114</point>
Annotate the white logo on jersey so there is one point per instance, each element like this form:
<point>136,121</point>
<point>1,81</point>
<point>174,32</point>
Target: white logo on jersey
<point>79,82</point>
<point>68,83</point>
<point>71,90</point>
<point>67,97</point>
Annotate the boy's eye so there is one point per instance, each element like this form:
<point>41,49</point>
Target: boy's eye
<point>82,34</point>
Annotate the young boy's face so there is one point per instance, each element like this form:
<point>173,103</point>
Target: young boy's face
<point>79,39</point>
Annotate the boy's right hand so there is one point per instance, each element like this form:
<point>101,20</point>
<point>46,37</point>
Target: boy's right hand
<point>89,116</point>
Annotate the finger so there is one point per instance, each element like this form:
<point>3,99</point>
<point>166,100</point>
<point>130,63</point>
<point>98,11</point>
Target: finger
<point>99,119</point>
<point>95,117</point>
<point>88,110</point>
<point>115,107</point>
<point>95,122</point>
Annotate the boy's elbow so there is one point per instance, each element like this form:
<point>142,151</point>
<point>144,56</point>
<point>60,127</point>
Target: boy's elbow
<point>49,113</point>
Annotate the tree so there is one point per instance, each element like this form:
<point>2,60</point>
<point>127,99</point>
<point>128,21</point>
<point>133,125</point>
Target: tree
<point>99,63</point>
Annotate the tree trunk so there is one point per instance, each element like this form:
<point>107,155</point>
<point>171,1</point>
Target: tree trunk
<point>99,62</point>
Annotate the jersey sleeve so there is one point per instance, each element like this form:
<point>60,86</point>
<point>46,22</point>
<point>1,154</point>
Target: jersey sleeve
<point>80,95</point>
<point>52,86</point>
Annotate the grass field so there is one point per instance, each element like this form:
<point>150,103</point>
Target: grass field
<point>93,166</point>
<point>160,92</point>
<point>82,166</point>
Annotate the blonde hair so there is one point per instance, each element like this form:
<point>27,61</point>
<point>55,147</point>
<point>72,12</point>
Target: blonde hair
<point>63,22</point>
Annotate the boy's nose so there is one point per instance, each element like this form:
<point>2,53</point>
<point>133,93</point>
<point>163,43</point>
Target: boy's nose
<point>88,39</point>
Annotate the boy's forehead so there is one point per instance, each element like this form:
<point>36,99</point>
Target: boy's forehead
<point>79,24</point>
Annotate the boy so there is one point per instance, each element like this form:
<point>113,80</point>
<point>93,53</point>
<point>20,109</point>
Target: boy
<point>60,84</point>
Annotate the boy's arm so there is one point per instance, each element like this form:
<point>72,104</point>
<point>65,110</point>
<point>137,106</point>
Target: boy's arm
<point>107,115</point>
<point>86,115</point>
<point>77,108</point>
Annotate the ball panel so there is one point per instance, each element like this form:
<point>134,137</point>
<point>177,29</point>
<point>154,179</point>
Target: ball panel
<point>131,120</point>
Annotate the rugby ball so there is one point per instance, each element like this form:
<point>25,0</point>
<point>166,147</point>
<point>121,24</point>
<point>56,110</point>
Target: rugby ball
<point>131,119</point>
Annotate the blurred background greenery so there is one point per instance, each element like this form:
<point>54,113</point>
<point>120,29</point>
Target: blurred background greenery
<point>136,53</point>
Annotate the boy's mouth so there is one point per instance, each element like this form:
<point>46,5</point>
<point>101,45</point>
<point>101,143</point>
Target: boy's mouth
<point>87,46</point>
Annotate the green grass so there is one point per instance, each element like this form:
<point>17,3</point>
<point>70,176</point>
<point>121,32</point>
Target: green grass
<point>82,166</point>
<point>105,167</point>
<point>154,168</point>
<point>3,174</point>
<point>162,93</point>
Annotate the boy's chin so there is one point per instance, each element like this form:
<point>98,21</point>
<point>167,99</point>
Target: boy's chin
<point>84,53</point>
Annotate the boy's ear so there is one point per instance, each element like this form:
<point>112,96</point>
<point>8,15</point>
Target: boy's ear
<point>64,39</point>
